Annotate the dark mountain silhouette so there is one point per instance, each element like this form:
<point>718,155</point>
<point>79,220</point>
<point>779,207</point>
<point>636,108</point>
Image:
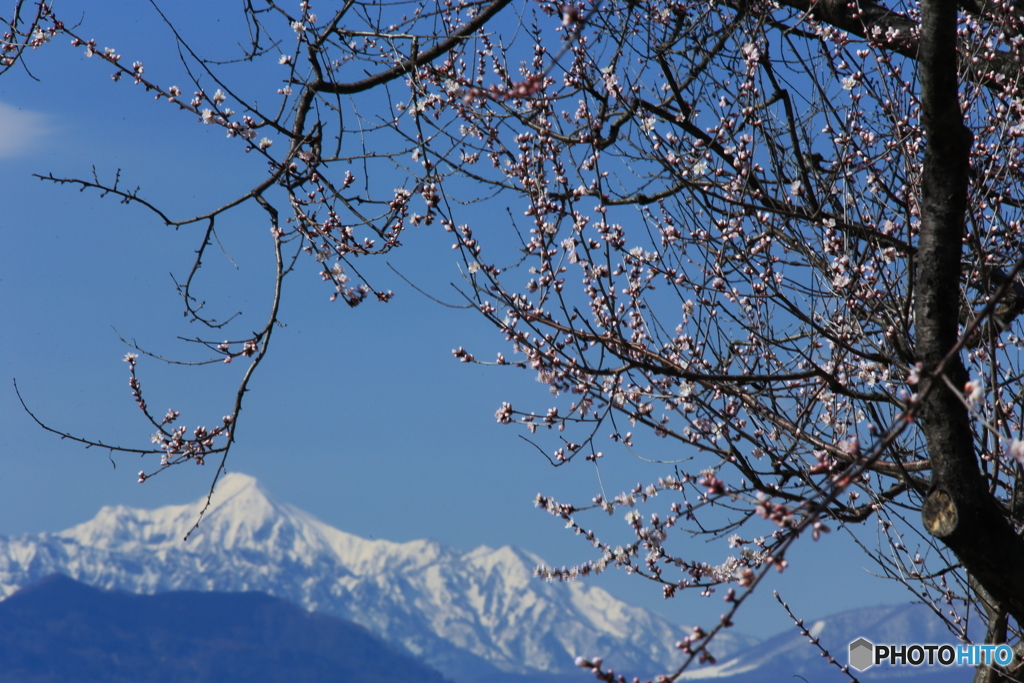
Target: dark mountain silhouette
<point>62,631</point>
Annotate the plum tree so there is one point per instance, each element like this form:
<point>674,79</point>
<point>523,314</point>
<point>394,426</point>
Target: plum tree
<point>782,234</point>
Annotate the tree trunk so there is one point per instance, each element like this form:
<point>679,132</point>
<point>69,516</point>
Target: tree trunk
<point>959,509</point>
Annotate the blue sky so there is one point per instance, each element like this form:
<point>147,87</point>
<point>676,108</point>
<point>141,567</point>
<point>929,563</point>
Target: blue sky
<point>361,416</point>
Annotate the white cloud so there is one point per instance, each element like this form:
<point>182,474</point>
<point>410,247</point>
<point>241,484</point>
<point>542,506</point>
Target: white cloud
<point>21,130</point>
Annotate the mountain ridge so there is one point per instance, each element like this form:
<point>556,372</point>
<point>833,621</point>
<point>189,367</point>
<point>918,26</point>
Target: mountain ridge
<point>789,655</point>
<point>468,615</point>
<point>59,630</point>
<point>477,616</point>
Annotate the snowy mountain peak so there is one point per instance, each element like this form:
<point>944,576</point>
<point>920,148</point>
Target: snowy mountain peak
<point>241,495</point>
<point>240,509</point>
<point>459,611</point>
<point>234,483</point>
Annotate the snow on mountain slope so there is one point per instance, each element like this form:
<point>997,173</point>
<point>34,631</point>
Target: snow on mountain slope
<point>450,608</point>
<point>788,656</point>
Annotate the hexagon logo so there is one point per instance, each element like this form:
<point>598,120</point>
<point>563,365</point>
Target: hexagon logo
<point>862,654</point>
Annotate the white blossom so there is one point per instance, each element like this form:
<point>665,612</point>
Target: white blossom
<point>974,391</point>
<point>1016,450</point>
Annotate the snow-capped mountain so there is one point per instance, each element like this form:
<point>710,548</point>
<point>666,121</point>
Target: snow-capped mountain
<point>470,615</point>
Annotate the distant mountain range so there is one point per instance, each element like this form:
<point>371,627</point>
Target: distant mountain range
<point>789,657</point>
<point>473,616</point>
<point>476,617</point>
